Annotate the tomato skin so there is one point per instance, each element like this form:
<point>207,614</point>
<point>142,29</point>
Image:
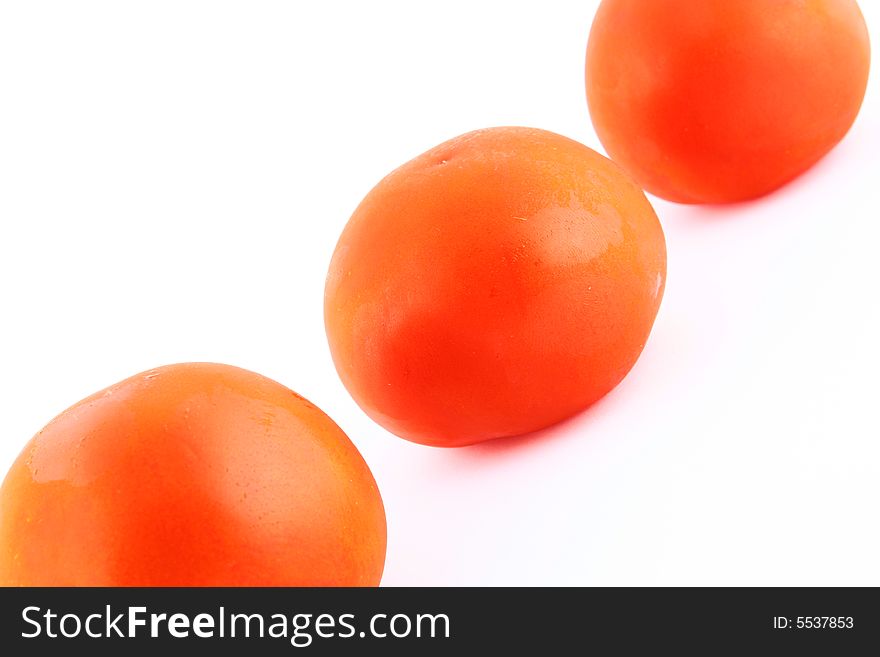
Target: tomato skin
<point>716,101</point>
<point>191,475</point>
<point>492,286</point>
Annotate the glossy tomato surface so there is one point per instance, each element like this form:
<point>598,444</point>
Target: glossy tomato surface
<point>715,101</point>
<point>492,286</point>
<point>191,475</point>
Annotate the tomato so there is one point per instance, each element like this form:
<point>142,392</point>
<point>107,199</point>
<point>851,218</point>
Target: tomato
<point>191,475</point>
<point>492,286</point>
<point>715,101</point>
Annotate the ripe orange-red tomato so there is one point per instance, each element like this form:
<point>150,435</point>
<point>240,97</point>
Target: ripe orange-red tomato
<point>191,475</point>
<point>492,286</point>
<point>715,101</point>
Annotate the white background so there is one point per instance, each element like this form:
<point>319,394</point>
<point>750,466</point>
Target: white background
<point>173,179</point>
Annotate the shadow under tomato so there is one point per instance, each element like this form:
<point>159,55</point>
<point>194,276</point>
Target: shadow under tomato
<point>571,428</point>
<point>744,210</point>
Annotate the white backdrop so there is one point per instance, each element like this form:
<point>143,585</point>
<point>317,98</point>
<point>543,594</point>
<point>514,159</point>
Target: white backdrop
<point>173,179</point>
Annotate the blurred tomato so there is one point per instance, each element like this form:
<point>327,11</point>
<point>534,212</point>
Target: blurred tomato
<point>191,475</point>
<point>713,101</point>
